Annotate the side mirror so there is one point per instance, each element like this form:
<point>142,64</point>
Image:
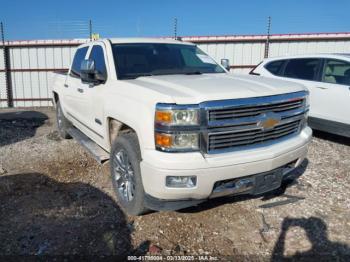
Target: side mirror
<point>226,64</point>
<point>89,74</point>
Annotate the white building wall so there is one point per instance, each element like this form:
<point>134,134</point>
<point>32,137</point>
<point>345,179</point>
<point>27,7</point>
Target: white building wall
<point>31,72</point>
<point>308,47</point>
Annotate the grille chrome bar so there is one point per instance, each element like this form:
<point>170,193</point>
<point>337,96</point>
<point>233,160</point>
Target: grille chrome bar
<point>220,114</point>
<point>233,136</point>
<point>215,143</point>
<point>253,119</point>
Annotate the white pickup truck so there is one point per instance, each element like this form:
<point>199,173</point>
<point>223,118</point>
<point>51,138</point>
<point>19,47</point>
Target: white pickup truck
<point>177,127</point>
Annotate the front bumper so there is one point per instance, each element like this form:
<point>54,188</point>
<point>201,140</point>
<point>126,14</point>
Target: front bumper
<point>213,168</point>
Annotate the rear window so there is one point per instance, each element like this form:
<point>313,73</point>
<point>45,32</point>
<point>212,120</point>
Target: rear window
<point>305,69</point>
<point>275,67</point>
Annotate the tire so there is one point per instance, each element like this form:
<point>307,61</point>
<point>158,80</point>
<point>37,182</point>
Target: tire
<point>63,123</point>
<point>126,174</point>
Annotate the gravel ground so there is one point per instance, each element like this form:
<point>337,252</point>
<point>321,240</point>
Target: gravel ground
<point>56,200</point>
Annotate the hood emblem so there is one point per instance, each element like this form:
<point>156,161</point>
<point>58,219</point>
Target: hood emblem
<point>268,120</point>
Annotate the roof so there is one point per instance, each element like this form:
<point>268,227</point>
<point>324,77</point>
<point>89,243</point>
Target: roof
<point>319,55</point>
<point>146,40</point>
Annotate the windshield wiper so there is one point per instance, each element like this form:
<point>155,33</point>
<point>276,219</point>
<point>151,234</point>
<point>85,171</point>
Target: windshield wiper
<point>135,76</point>
<point>193,73</point>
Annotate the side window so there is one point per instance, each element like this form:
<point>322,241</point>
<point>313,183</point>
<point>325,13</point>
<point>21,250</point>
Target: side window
<point>336,72</point>
<point>78,58</point>
<point>302,68</point>
<point>97,55</point>
<point>275,67</point>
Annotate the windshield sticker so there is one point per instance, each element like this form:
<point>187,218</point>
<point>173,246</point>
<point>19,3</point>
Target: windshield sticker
<point>206,59</point>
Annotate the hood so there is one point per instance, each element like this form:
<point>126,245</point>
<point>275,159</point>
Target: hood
<point>194,89</point>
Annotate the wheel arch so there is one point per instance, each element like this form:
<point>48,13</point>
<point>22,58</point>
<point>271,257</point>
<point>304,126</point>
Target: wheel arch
<point>115,128</point>
<point>56,97</point>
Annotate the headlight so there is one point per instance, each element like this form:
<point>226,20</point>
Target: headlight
<point>307,101</point>
<point>177,127</point>
<point>177,142</point>
<point>304,121</point>
<point>177,117</point>
<point>306,114</point>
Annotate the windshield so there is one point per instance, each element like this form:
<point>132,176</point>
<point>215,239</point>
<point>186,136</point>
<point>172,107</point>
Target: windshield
<point>145,59</point>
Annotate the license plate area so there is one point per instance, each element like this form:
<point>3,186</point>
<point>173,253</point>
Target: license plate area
<point>267,182</point>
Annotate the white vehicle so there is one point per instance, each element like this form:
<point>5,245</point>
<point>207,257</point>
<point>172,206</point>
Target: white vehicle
<point>327,77</point>
<point>177,127</point>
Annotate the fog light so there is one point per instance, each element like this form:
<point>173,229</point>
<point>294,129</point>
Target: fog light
<point>181,181</point>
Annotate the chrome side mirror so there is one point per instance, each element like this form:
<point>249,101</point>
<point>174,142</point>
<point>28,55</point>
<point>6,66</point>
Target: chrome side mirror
<point>225,63</point>
<point>89,74</point>
<point>87,66</point>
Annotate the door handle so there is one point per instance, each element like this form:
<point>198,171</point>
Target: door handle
<point>66,85</point>
<point>321,87</point>
<point>80,90</point>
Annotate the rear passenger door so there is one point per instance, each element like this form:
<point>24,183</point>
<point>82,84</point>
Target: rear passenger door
<point>307,71</point>
<point>333,94</point>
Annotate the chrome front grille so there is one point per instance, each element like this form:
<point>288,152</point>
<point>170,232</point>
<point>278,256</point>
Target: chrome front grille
<point>244,123</point>
<point>253,110</point>
<point>231,139</point>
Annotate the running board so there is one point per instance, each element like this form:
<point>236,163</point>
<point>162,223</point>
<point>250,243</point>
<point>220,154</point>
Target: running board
<point>94,149</point>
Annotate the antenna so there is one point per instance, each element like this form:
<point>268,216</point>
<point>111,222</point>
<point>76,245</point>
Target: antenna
<point>267,44</point>
<point>90,29</point>
<point>175,28</point>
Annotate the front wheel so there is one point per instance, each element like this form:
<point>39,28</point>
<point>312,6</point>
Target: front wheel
<point>63,123</point>
<point>126,173</point>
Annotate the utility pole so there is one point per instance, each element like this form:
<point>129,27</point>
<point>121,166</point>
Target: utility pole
<point>7,68</point>
<point>267,44</point>
<point>175,28</point>
<point>90,29</point>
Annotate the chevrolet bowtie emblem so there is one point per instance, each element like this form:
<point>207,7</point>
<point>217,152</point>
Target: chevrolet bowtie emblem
<point>268,120</point>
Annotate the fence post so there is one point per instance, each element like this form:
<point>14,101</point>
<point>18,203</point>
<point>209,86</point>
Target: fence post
<point>8,80</point>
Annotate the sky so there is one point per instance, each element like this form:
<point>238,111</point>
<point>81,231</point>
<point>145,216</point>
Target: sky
<point>47,19</point>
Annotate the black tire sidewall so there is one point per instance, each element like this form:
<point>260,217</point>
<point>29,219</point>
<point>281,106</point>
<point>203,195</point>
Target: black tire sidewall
<point>129,143</point>
<point>62,129</point>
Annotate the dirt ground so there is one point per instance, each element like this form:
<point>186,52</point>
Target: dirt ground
<point>56,200</point>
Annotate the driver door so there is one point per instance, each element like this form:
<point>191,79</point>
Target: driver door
<point>93,102</point>
<point>74,90</point>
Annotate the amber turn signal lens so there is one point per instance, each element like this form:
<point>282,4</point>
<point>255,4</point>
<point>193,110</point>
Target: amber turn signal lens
<point>163,140</point>
<point>163,117</point>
